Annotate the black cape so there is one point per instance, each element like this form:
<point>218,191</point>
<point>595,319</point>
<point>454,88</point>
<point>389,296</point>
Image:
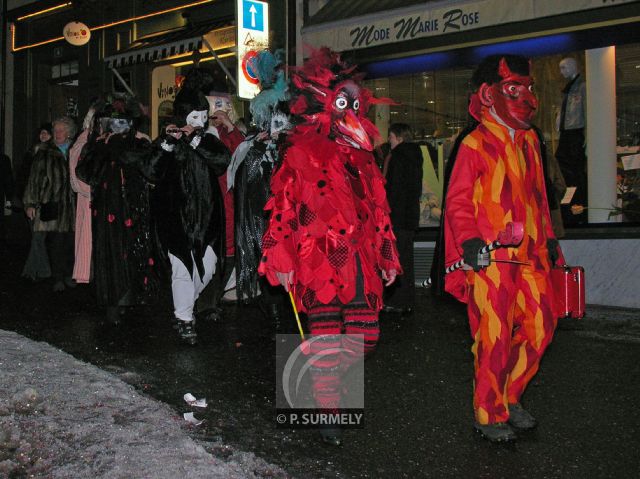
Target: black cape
<point>251,192</point>
<point>125,252</point>
<point>187,201</point>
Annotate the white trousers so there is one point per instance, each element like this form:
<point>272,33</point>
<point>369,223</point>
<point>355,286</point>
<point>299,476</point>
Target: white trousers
<point>185,288</point>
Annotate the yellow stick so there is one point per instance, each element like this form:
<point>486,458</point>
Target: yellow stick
<point>295,312</point>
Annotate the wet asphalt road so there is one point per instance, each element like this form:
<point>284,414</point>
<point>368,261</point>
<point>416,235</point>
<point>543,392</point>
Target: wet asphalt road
<point>417,390</point>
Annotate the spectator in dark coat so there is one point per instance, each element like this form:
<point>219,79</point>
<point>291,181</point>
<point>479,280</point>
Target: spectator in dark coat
<point>6,191</point>
<point>50,205</point>
<point>404,186</point>
<point>43,135</point>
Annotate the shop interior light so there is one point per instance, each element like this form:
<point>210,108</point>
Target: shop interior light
<point>13,41</point>
<point>112,24</point>
<point>42,12</point>
<point>206,59</point>
<point>530,47</point>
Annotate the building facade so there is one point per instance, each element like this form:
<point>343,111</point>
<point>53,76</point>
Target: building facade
<point>138,46</point>
<point>422,53</point>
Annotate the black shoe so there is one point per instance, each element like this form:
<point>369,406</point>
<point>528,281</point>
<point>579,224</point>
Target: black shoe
<point>333,437</point>
<point>520,418</point>
<point>58,287</point>
<point>497,432</point>
<point>187,331</point>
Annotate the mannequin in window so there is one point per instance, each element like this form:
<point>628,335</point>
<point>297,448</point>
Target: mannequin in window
<point>571,123</point>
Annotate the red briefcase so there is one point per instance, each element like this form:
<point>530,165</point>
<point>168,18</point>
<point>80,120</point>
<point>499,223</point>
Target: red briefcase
<point>568,283</point>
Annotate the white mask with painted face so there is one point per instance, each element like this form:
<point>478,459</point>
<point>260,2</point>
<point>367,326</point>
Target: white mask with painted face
<point>198,119</point>
<point>222,103</point>
<point>279,124</point>
<point>118,126</point>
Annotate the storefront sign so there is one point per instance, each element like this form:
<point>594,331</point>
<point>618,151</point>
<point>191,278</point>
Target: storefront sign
<point>163,92</point>
<point>222,38</point>
<point>253,36</point>
<point>419,22</point>
<point>76,33</point>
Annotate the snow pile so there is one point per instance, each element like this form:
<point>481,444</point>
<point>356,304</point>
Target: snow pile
<point>62,418</point>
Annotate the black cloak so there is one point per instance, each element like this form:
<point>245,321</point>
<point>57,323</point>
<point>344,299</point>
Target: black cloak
<point>125,253</point>
<point>187,202</point>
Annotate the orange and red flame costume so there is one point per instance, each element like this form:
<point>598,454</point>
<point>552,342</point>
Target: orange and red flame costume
<point>498,178</point>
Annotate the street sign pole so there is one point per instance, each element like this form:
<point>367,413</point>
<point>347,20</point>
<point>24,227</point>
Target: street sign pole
<point>252,37</point>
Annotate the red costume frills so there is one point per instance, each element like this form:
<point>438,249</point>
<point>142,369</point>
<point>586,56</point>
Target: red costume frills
<point>328,204</point>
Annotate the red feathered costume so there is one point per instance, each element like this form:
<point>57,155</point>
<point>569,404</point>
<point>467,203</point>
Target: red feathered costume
<point>328,206</point>
<point>329,232</point>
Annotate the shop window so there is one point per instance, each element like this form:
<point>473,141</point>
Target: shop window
<point>65,69</point>
<point>63,89</point>
<point>628,132</point>
<point>434,104</point>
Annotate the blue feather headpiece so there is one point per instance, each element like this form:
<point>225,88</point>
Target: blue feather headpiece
<point>274,88</point>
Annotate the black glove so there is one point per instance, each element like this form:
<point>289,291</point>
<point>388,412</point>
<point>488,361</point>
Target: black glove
<point>552,246</point>
<point>470,249</point>
<point>169,139</point>
<point>194,133</point>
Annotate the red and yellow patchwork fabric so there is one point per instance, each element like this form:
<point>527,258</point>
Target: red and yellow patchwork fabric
<point>498,178</point>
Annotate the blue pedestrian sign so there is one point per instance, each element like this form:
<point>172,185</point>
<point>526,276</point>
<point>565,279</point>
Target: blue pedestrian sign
<point>253,15</point>
<point>252,36</point>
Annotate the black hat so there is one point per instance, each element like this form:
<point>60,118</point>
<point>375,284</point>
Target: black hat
<point>188,100</point>
<point>191,96</point>
<point>211,82</point>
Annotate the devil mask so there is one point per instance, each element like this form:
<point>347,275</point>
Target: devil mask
<point>512,98</point>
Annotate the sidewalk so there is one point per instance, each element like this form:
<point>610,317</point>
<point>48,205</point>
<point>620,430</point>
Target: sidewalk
<point>62,418</point>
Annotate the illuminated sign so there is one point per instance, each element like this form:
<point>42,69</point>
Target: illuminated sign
<point>253,36</point>
<point>221,38</point>
<point>76,33</point>
<point>431,19</point>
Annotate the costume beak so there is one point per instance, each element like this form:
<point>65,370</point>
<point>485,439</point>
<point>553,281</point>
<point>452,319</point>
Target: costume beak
<point>352,130</point>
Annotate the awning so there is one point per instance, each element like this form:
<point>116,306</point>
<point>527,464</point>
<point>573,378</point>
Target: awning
<point>159,46</point>
<point>350,26</point>
<point>357,8</point>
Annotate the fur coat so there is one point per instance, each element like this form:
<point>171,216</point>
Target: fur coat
<point>49,183</point>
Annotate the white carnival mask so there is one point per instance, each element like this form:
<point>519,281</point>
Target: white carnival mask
<point>119,125</point>
<point>279,123</point>
<point>198,119</point>
<point>222,103</point>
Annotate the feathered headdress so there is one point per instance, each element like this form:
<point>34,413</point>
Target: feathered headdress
<point>316,84</point>
<point>273,87</point>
